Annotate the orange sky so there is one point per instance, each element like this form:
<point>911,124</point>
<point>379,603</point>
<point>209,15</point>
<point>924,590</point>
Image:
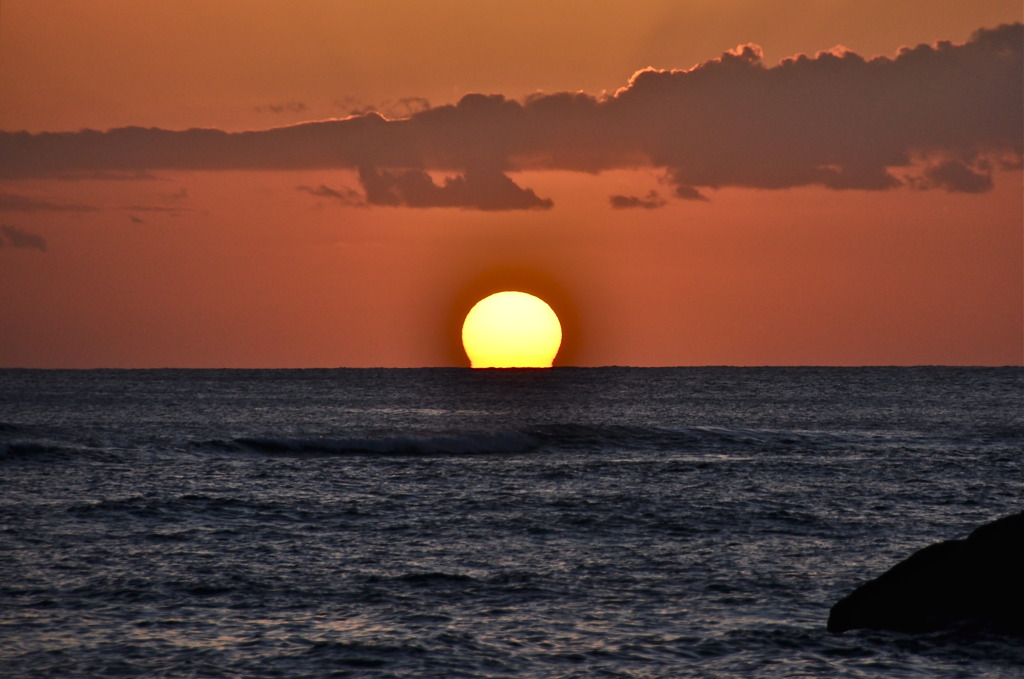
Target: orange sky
<point>807,214</point>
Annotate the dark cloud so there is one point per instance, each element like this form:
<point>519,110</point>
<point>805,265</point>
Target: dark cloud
<point>687,192</point>
<point>957,176</point>
<point>835,119</point>
<point>479,189</point>
<point>346,195</point>
<point>10,202</point>
<point>651,201</point>
<point>286,107</point>
<point>408,105</point>
<point>404,107</point>
<point>16,238</point>
<point>351,106</point>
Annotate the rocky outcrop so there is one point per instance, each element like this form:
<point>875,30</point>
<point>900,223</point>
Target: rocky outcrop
<point>978,582</point>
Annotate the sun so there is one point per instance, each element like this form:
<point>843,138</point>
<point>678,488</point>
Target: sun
<point>511,330</point>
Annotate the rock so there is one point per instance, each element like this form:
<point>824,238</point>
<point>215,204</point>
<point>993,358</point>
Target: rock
<point>977,582</point>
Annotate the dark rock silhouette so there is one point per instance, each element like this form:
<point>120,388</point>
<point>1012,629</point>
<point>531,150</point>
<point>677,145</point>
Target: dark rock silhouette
<point>978,582</point>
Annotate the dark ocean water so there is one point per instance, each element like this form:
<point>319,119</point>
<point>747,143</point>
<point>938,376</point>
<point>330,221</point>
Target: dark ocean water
<point>606,522</point>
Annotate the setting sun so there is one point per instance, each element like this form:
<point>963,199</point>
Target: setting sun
<point>511,330</point>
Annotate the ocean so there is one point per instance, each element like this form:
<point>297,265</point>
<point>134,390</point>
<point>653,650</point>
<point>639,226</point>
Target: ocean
<point>563,523</point>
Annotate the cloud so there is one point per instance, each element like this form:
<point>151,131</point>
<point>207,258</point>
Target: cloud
<point>10,202</point>
<point>353,106</point>
<point>834,119</point>
<point>683,191</point>
<point>346,195</point>
<point>403,107</point>
<point>651,201</point>
<point>479,189</point>
<point>16,238</point>
<point>957,176</point>
<point>286,107</point>
<point>408,105</point>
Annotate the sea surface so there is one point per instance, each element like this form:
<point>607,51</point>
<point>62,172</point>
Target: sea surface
<point>570,523</point>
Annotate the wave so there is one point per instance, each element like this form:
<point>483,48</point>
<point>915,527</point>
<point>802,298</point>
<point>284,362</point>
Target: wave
<point>593,438</point>
<point>16,450</point>
<point>571,436</point>
<point>45,451</point>
<point>686,438</point>
<point>460,444</point>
